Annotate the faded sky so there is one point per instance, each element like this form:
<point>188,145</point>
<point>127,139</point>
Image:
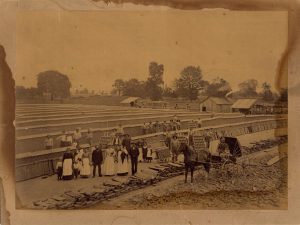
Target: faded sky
<point>95,48</point>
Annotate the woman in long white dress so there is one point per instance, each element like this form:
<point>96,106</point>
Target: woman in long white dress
<point>122,166</point>
<point>86,167</point>
<point>109,162</point>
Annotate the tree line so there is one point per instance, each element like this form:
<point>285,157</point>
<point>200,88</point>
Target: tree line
<point>189,85</point>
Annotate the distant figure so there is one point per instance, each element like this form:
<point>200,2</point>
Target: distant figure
<point>176,106</point>
<point>164,126</point>
<point>86,168</point>
<point>168,139</point>
<point>144,128</point>
<point>134,154</point>
<point>178,125</point>
<point>89,136</point>
<point>97,159</point>
<point>149,154</point>
<point>120,130</point>
<point>175,118</point>
<point>109,162</point>
<point>199,123</point>
<point>59,169</point>
<point>63,139</point>
<point>48,142</point>
<point>69,139</point>
<point>191,137</point>
<point>67,165</point>
<point>122,166</point>
<point>145,149</point>
<point>77,135</point>
<point>150,129</point>
<point>117,140</point>
<point>156,126</point>
<point>208,137</point>
<point>175,144</point>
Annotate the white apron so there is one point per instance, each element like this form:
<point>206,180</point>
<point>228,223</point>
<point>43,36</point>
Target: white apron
<point>67,167</point>
<point>86,168</point>
<point>109,163</point>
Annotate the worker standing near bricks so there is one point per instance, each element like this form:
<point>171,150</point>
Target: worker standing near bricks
<point>77,135</point>
<point>175,148</point>
<point>63,139</point>
<point>89,136</point>
<point>48,142</point>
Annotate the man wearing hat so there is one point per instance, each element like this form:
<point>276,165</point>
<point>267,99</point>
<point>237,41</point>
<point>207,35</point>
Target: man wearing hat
<point>97,159</point>
<point>223,149</point>
<point>134,155</point>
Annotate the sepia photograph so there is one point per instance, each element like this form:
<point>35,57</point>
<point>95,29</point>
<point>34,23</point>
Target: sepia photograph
<point>151,109</point>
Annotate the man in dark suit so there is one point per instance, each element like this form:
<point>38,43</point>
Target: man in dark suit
<point>97,159</point>
<point>134,154</point>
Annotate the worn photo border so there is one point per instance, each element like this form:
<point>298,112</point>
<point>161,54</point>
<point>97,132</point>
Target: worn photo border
<point>290,59</point>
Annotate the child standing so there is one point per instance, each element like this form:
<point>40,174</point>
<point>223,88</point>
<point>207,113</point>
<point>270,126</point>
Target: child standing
<point>76,169</point>
<point>59,169</point>
<point>149,154</point>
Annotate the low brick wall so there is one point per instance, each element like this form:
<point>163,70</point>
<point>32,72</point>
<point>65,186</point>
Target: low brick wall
<point>36,142</point>
<point>34,164</point>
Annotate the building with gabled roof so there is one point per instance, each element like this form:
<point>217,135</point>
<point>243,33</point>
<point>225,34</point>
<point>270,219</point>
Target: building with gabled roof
<point>215,104</point>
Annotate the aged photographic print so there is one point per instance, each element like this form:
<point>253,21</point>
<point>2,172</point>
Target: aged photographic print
<point>151,109</point>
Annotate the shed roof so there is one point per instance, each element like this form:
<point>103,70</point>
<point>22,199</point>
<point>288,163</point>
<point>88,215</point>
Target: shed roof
<point>244,103</point>
<point>220,101</point>
<point>130,99</point>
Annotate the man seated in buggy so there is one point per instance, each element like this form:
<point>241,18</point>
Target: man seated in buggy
<point>224,152</point>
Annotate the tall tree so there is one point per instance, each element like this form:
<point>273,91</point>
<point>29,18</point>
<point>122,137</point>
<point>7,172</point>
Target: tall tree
<point>266,93</point>
<point>118,86</point>
<point>283,96</point>
<point>190,82</point>
<point>247,89</point>
<point>155,81</point>
<point>55,83</point>
<point>134,87</point>
<point>218,88</point>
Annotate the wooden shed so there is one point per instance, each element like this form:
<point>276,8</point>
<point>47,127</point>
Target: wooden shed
<point>215,104</point>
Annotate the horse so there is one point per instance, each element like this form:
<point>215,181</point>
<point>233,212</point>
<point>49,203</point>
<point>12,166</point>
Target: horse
<point>191,160</point>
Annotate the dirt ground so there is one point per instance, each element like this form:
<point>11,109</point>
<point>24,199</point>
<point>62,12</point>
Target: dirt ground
<point>257,187</point>
<point>253,187</point>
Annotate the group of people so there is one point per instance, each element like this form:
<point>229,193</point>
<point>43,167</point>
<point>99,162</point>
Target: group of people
<point>67,139</point>
<point>108,160</point>
<point>173,143</point>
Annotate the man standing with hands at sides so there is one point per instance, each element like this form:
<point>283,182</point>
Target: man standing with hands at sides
<point>134,154</point>
<point>97,159</point>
